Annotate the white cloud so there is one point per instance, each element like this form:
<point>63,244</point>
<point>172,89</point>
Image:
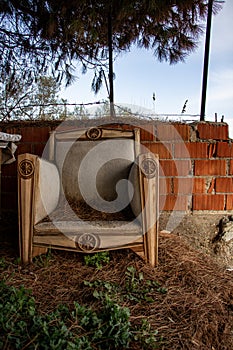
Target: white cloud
<point>222,28</point>
<point>221,85</point>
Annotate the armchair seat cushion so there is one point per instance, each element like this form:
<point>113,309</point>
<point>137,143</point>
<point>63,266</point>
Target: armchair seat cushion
<point>120,227</point>
<point>100,234</point>
<point>72,210</point>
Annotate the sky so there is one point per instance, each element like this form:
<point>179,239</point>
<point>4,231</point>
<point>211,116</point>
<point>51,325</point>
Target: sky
<point>138,75</point>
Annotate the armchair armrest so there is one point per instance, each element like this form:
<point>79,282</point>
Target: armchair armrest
<point>47,189</point>
<point>38,194</point>
<point>144,204</point>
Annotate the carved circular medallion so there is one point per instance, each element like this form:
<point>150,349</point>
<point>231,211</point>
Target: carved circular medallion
<point>94,133</point>
<point>26,168</point>
<point>88,242</point>
<point>149,167</point>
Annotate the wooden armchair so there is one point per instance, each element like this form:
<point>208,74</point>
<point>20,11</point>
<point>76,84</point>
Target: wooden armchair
<point>97,192</point>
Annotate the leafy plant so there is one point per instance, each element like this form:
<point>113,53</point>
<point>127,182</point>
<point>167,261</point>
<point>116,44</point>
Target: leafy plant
<point>105,289</point>
<point>135,288</point>
<point>97,260</point>
<point>109,328</point>
<point>147,337</point>
<point>139,289</point>
<point>17,309</point>
<point>43,260</point>
<point>21,326</point>
<point>2,263</point>
<point>106,326</point>
<point>17,261</point>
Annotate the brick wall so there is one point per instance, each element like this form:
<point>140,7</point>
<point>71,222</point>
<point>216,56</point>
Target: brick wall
<point>33,141</point>
<point>196,166</point>
<point>196,163</point>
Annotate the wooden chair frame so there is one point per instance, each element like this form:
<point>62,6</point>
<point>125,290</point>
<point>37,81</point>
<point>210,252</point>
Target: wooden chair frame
<point>32,244</point>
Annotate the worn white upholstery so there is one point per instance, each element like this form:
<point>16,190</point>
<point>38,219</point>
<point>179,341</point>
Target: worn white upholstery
<point>135,203</point>
<point>94,171</point>
<point>47,189</point>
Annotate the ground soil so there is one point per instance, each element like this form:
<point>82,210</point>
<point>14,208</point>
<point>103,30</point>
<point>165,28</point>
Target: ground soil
<point>200,231</point>
<point>196,313</point>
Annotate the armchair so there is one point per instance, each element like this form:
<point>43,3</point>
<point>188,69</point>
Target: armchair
<point>98,191</point>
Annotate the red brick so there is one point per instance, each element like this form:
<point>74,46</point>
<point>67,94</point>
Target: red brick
<point>208,202</point>
<point>199,185</point>
<point>9,184</point>
<point>12,130</point>
<point>164,185</point>
<point>174,202</point>
<point>231,167</point>
<point>175,131</point>
<point>183,130</point>
<point>9,200</point>
<point>212,150</point>
<point>224,184</point>
<point>164,150</point>
<point>212,131</point>
<point>38,149</point>
<point>175,168</point>
<point>24,148</point>
<point>65,127</point>
<point>35,134</point>
<point>147,132</point>
<point>210,167</point>
<point>224,149</point>
<point>191,149</point>
<point>211,186</point>
<point>9,169</point>
<point>229,202</point>
<point>182,185</point>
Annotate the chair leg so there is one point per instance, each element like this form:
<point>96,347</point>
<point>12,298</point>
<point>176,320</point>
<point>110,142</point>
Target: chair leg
<point>148,165</point>
<point>26,181</point>
<point>38,251</point>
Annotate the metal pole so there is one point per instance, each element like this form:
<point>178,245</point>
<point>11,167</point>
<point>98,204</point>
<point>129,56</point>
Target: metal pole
<point>110,62</point>
<point>0,183</point>
<point>206,60</point>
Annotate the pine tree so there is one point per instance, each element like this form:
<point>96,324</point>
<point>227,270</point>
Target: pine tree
<point>37,36</point>
<point>38,101</point>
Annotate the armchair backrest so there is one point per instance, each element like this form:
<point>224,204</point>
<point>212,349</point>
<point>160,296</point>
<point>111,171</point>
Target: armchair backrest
<point>95,164</point>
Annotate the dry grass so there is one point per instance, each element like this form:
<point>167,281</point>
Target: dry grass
<point>195,313</point>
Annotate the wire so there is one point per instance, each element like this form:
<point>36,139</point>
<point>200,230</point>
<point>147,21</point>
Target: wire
<point>57,104</point>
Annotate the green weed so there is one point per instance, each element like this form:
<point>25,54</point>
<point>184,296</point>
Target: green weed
<point>43,260</point>
<point>81,327</point>
<point>134,288</point>
<point>22,327</point>
<point>3,263</point>
<point>97,260</point>
<point>146,337</point>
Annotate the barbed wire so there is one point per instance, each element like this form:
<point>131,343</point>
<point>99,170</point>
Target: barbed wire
<point>54,104</point>
<point>127,111</point>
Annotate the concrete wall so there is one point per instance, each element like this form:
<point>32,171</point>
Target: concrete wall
<point>196,162</point>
